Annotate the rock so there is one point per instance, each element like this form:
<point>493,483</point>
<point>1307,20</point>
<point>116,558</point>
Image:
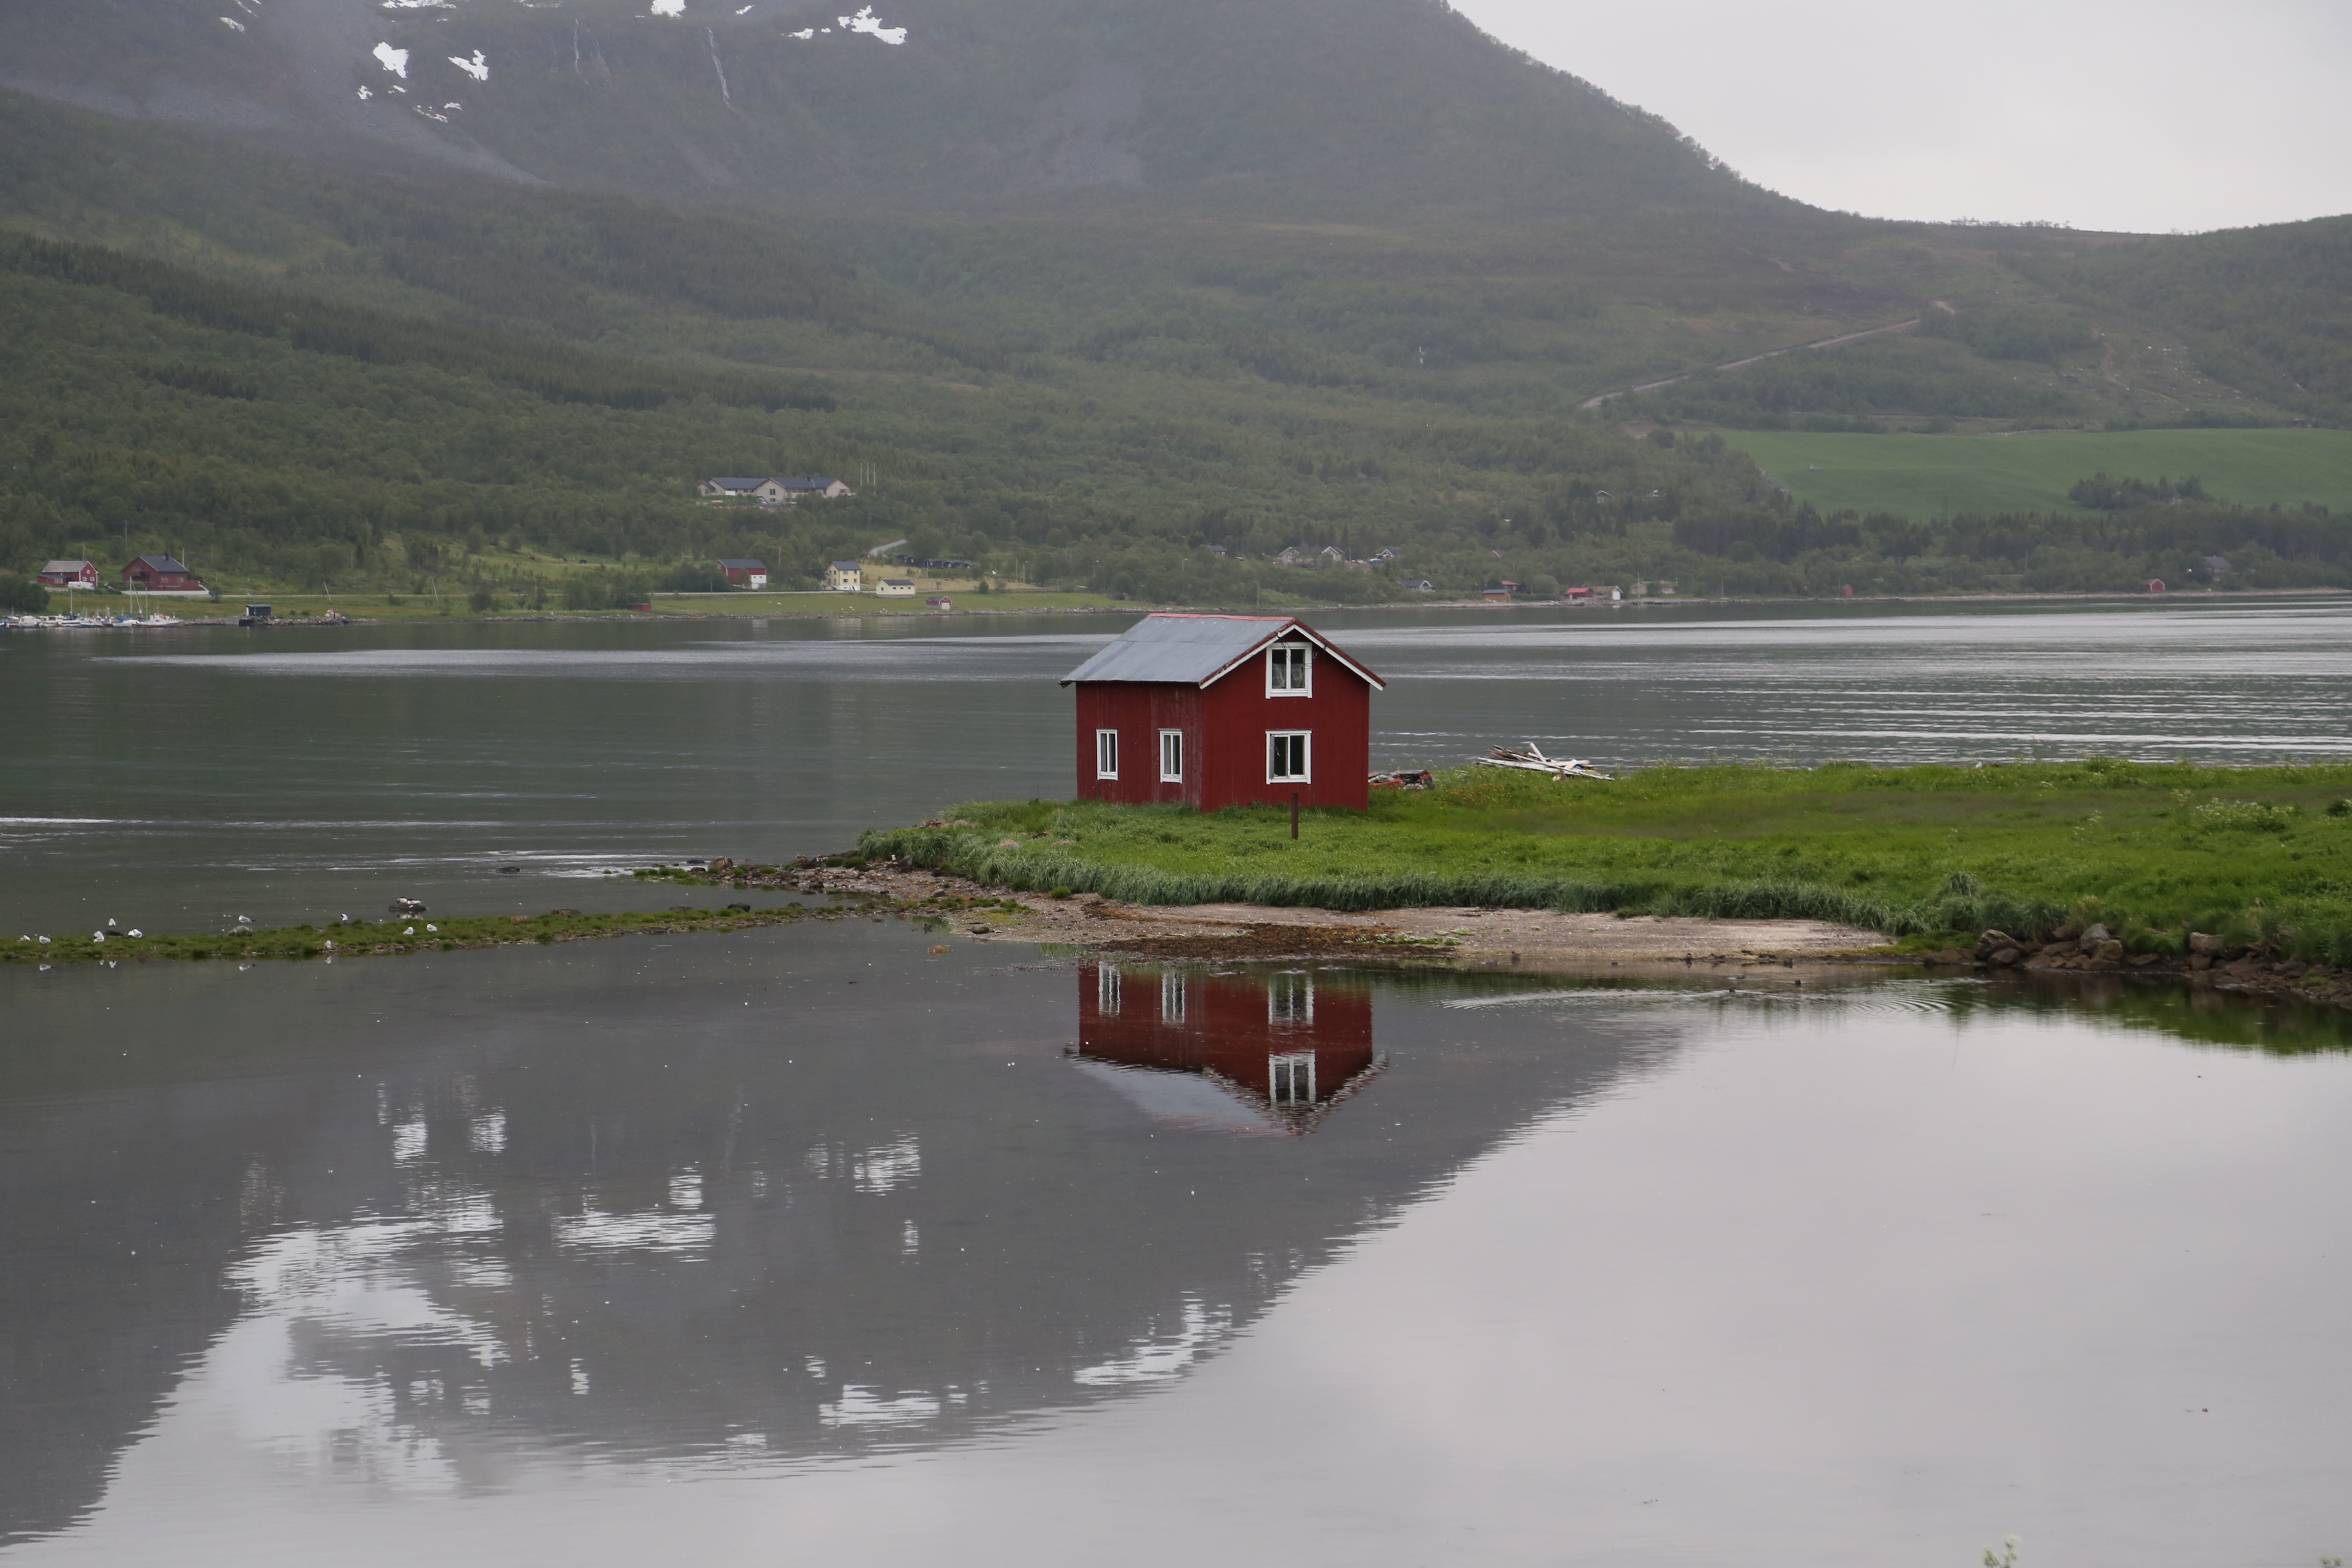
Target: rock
<point>2200,961</point>
<point>2200,943</point>
<point>2005,957</point>
<point>2109,950</point>
<point>1992,941</point>
<point>1954,955</point>
<point>2142,960</point>
<point>722,863</point>
<point>2090,940</point>
<point>509,870</point>
<point>2066,933</point>
<point>408,906</point>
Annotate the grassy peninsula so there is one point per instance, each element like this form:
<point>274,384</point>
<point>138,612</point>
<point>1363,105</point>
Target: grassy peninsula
<point>2153,850</point>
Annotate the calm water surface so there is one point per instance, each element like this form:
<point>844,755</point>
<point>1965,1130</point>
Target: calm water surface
<point>171,780</point>
<point>809,1244</point>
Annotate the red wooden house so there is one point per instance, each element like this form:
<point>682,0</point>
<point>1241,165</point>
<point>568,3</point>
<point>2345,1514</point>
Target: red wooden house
<point>160,574</point>
<point>69,574</point>
<point>1279,1047</point>
<point>1218,710</point>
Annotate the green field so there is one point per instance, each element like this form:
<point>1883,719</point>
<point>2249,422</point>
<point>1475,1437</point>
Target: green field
<point>1929,854</point>
<point>1938,476</point>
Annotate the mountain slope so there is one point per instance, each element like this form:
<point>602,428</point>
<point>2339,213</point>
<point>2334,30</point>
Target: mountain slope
<point>1297,104</point>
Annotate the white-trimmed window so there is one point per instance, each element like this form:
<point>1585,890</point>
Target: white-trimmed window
<point>1290,1001</point>
<point>1290,1079</point>
<point>1106,990</point>
<point>1106,753</point>
<point>1290,670</point>
<point>1172,756</point>
<point>1287,756</point>
<point>1171,997</point>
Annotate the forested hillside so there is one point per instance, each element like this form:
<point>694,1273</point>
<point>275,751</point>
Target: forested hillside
<point>1133,296</point>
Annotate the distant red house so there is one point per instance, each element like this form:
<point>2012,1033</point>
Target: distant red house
<point>1219,710</point>
<point>160,574</point>
<point>69,574</point>
<point>748,573</point>
<point>1276,1048</point>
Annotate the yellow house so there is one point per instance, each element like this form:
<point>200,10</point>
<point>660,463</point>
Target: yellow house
<point>895,588</point>
<point>844,577</point>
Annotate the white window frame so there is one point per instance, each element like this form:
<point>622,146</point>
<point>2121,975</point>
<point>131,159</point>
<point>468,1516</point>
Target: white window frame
<point>1106,991</point>
<point>1107,753</point>
<point>1171,997</point>
<point>1277,659</point>
<point>1306,749</point>
<point>1171,749</point>
<point>1290,1001</point>
<point>1287,1073</point>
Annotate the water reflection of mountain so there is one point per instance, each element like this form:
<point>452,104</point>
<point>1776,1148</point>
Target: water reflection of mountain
<point>481,1208</point>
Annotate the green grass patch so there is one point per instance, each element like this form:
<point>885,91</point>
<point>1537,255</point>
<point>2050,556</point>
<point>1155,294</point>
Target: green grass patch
<point>2153,850</point>
<point>403,934</point>
<point>1938,476</point>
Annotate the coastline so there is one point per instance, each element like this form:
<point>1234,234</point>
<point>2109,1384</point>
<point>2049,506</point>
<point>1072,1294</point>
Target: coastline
<point>857,612</point>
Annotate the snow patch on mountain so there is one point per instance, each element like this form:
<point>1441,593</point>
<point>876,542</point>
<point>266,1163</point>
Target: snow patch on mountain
<point>232,21</point>
<point>394,60</point>
<point>866,22</point>
<point>477,68</point>
<point>669,8</point>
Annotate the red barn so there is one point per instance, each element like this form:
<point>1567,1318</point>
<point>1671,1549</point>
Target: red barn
<point>1276,1043</point>
<point>1218,710</point>
<point>160,574</point>
<point>69,574</point>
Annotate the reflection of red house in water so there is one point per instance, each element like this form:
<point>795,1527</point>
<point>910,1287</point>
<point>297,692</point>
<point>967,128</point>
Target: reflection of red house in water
<point>1276,1047</point>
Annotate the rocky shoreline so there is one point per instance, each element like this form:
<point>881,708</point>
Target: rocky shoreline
<point>2257,967</point>
<point>1525,939</point>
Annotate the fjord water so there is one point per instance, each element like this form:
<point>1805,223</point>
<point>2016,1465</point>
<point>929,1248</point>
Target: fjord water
<point>179,779</point>
<point>809,1245</point>
<point>812,1242</point>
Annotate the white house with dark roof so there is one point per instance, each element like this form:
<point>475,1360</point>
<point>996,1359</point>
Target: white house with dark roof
<point>775,492</point>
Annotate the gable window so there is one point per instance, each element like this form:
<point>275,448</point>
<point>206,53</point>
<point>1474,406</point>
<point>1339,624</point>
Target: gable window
<point>1290,1079</point>
<point>1106,753</point>
<point>1172,756</point>
<point>1289,670</point>
<point>1290,1001</point>
<point>1287,756</point>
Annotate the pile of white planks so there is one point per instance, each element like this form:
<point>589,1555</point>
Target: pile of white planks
<point>1531,759</point>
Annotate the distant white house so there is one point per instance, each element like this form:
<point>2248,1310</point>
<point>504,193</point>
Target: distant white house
<point>821,489</point>
<point>845,577</point>
<point>895,588</point>
<point>774,492</point>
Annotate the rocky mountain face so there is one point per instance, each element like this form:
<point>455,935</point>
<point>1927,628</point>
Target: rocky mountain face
<point>957,103</point>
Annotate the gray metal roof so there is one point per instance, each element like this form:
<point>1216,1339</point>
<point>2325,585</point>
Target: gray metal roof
<point>1195,649</point>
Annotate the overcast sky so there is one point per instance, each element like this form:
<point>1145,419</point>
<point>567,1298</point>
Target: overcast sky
<point>2149,115</point>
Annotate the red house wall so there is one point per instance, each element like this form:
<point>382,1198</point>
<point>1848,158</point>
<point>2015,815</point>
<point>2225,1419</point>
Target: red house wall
<point>1224,738</point>
<point>1139,711</point>
<point>1226,1027</point>
<point>1238,713</point>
